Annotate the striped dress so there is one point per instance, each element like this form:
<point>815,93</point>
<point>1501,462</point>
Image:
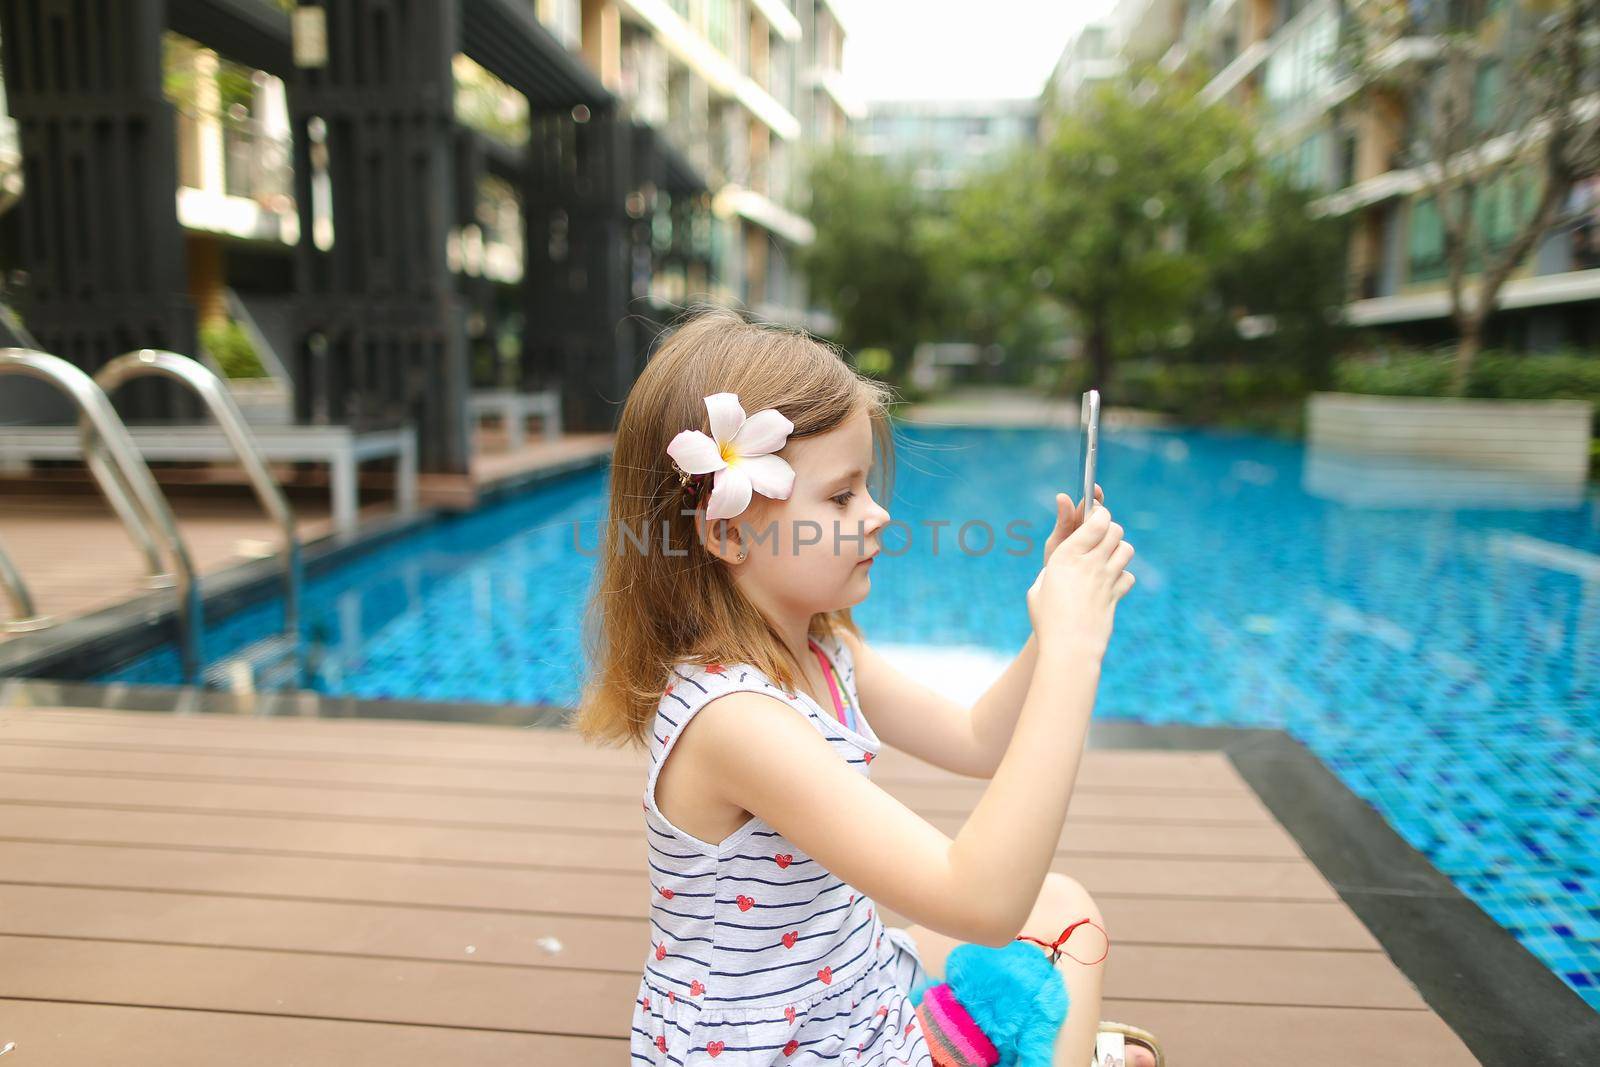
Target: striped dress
<point>757,954</point>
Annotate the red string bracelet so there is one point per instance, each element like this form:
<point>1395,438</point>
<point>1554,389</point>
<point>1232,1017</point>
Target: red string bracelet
<point>1055,946</point>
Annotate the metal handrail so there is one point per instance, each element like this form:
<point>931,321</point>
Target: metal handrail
<point>214,393</point>
<point>23,616</point>
<point>126,482</point>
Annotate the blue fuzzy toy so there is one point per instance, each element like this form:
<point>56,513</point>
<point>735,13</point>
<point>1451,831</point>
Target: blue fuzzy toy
<point>1015,996</point>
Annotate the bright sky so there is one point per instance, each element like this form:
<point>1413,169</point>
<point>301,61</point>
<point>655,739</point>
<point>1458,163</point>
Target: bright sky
<point>944,49</point>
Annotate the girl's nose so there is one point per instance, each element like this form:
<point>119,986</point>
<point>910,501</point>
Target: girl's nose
<point>877,518</point>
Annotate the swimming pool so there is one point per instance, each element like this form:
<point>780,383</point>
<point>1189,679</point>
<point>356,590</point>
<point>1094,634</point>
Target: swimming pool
<point>1443,661</point>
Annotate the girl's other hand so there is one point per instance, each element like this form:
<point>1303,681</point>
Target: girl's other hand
<point>1073,600</point>
<point>1069,517</point>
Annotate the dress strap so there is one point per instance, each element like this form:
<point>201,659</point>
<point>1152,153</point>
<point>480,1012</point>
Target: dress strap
<point>833,686</point>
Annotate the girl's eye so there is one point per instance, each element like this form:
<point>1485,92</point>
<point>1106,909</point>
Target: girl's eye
<point>843,498</point>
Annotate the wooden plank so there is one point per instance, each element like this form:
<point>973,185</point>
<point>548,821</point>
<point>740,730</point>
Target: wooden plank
<point>563,833</point>
<point>1083,835</point>
<point>612,941</point>
<point>1184,771</point>
<point>1200,974</point>
<point>95,1035</point>
<point>1258,1035</point>
<point>560,778</point>
<point>518,999</point>
<point>592,1002</point>
<point>528,888</point>
<point>465,791</point>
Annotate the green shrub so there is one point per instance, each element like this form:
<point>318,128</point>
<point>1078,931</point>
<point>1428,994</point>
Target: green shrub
<point>1409,374</point>
<point>232,350</point>
<point>1230,394</point>
<point>1552,377</point>
<point>1504,375</point>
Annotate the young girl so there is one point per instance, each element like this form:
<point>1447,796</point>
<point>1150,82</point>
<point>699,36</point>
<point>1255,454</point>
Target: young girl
<point>741,531</point>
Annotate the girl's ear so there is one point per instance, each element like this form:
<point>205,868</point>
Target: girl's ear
<point>721,537</point>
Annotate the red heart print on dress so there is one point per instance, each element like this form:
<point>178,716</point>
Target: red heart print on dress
<point>881,1010</point>
<point>672,996</point>
<point>788,1013</point>
<point>661,1042</point>
<point>661,951</point>
<point>714,1049</point>
<point>869,756</point>
<point>716,668</point>
<point>826,974</point>
<point>668,689</point>
<point>852,898</point>
<point>909,1025</point>
<point>783,859</point>
<point>790,938</point>
<point>869,913</point>
<point>646,1003</point>
<point>789,1049</point>
<point>695,988</point>
<point>666,892</point>
<point>745,903</point>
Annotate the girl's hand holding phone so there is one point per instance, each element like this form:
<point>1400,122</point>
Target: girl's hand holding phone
<point>1074,599</point>
<point>1069,517</point>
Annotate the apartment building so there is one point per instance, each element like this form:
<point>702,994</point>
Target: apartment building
<point>1278,61</point>
<point>946,140</point>
<point>401,209</point>
<point>744,88</point>
<point>1091,58</point>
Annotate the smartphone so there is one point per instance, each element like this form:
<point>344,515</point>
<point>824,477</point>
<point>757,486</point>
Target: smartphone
<point>1089,445</point>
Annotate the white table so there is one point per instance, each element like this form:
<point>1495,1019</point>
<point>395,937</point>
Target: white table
<point>513,408</point>
<point>341,447</point>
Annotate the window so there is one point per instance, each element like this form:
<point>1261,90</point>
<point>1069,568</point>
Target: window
<point>717,25</point>
<point>1425,245</point>
<point>1487,84</point>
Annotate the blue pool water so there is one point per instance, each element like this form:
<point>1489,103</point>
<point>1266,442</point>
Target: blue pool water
<point>1443,660</point>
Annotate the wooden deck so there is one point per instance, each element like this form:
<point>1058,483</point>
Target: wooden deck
<point>355,892</point>
<point>221,531</point>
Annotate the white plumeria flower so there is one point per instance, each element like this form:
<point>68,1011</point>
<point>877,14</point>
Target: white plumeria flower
<point>740,452</point>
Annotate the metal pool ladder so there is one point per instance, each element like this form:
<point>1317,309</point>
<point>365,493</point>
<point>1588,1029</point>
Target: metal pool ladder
<point>276,659</point>
<point>23,617</point>
<point>125,480</point>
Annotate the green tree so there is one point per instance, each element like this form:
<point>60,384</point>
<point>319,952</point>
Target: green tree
<point>1282,265</point>
<point>872,263</point>
<point>984,251</point>
<point>1131,201</point>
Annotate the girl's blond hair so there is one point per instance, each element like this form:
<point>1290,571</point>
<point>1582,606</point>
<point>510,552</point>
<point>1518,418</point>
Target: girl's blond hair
<point>652,608</point>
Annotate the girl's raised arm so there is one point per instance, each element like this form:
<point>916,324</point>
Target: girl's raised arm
<point>981,885</point>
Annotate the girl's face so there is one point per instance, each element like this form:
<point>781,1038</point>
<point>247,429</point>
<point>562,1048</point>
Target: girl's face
<point>813,552</point>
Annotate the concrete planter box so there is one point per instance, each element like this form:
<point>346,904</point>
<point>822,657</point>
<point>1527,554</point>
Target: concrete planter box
<point>1543,439</point>
<point>262,401</point>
